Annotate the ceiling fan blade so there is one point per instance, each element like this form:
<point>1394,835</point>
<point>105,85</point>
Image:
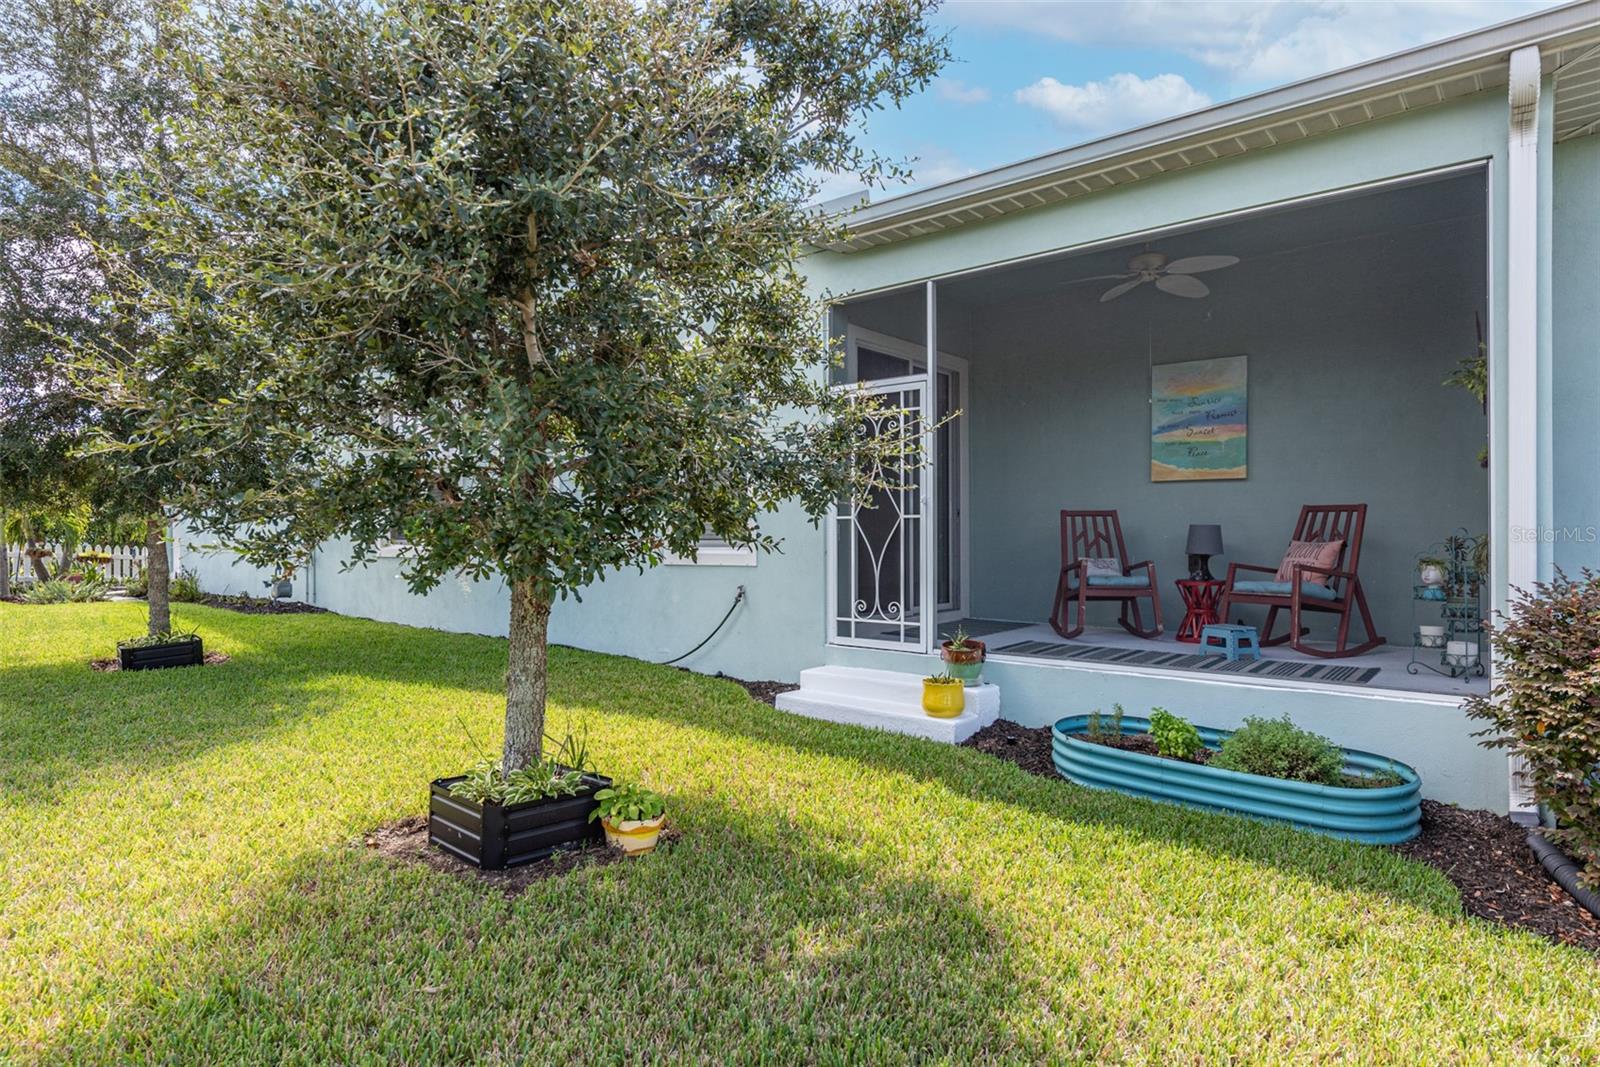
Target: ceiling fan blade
<point>1101,278</point>
<point>1182,285</point>
<point>1117,290</point>
<point>1197,264</point>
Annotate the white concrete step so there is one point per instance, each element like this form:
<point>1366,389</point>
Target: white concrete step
<point>887,700</point>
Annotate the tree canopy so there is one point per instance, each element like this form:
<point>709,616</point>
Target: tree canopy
<point>515,280</point>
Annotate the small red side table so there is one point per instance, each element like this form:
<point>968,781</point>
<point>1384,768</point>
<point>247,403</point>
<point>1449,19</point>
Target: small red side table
<point>1200,607</point>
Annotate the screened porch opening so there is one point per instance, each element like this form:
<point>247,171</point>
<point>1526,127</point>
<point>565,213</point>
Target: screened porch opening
<point>1229,376</point>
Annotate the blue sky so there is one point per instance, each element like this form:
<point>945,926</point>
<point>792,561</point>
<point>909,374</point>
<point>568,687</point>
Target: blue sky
<point>1033,76</point>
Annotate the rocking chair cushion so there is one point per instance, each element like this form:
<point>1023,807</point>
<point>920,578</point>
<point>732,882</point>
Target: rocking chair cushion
<point>1307,589</point>
<point>1118,581</point>
<point>1106,567</point>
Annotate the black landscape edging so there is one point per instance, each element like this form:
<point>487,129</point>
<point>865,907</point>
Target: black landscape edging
<point>1564,870</point>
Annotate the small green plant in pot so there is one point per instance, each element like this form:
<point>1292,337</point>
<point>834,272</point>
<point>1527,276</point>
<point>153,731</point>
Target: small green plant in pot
<point>963,657</point>
<point>943,696</point>
<point>632,817</point>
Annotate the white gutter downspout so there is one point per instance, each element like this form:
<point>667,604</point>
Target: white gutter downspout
<point>1522,356</point>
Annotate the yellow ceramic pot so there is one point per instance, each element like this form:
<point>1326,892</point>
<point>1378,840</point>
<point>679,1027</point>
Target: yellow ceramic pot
<point>634,836</point>
<point>943,700</point>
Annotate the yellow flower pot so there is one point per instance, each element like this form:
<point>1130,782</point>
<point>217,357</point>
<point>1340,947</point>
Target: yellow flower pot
<point>634,836</point>
<point>943,700</point>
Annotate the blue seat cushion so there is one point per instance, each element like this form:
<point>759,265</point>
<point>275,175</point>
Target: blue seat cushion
<point>1118,581</point>
<point>1310,590</point>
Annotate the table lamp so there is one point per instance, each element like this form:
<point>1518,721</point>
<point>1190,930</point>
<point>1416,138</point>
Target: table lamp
<point>1205,541</point>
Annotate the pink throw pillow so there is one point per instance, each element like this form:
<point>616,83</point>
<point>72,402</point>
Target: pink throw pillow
<point>1311,553</point>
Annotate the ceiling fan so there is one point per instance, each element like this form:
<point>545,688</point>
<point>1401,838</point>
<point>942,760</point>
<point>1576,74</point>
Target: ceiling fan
<point>1176,277</point>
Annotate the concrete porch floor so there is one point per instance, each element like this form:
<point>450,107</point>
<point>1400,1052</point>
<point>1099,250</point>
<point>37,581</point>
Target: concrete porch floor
<point>1389,660</point>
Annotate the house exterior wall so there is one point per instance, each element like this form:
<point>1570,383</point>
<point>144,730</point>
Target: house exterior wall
<point>782,626</point>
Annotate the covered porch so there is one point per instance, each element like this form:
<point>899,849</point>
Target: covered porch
<point>1342,321</point>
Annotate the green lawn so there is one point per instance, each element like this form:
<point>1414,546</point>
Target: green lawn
<point>180,880</point>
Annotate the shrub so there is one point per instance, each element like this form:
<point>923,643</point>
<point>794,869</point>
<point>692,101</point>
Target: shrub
<point>1546,706</point>
<point>138,585</point>
<point>61,591</point>
<point>1278,748</point>
<point>184,588</point>
<point>1175,737</point>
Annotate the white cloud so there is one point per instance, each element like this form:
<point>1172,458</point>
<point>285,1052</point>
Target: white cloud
<point>959,92</point>
<point>1121,101</point>
<point>1253,44</point>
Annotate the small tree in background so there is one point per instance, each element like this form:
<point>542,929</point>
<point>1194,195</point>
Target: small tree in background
<point>516,280</point>
<point>82,91</point>
<point>1546,705</point>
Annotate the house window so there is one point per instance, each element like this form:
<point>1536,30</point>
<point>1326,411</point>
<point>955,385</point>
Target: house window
<point>713,551</point>
<point>393,545</point>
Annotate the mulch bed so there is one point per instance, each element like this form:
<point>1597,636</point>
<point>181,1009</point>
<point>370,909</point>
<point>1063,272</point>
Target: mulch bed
<point>255,605</point>
<point>1485,855</point>
<point>766,692</point>
<point>406,841</point>
<point>211,660</point>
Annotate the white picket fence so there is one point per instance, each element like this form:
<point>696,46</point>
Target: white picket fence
<point>127,561</point>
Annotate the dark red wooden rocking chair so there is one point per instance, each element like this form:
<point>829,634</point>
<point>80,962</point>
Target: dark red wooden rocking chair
<point>1340,596</point>
<point>1098,535</point>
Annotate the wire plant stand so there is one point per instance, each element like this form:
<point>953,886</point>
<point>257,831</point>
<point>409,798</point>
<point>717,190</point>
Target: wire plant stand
<point>1449,589</point>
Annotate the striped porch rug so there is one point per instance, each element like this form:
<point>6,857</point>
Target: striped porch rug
<point>1190,661</point>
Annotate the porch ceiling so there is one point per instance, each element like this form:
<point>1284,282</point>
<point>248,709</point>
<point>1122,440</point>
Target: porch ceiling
<point>1408,81</point>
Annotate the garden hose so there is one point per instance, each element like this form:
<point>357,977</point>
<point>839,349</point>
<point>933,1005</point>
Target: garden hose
<point>737,597</point>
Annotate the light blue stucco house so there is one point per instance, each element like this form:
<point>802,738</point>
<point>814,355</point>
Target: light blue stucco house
<point>1375,221</point>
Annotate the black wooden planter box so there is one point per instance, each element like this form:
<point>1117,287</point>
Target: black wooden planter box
<point>496,836</point>
<point>189,652</point>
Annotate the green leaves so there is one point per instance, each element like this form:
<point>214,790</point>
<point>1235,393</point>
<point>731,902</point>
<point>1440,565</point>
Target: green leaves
<point>627,802</point>
<point>1175,737</point>
<point>1546,705</point>
<point>518,281</point>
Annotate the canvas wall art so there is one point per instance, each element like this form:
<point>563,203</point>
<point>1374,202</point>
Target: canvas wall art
<point>1198,420</point>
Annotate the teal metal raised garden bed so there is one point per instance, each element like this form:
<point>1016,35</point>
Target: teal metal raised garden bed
<point>1382,816</point>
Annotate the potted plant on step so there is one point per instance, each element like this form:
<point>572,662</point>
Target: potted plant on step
<point>631,815</point>
<point>963,657</point>
<point>494,820</point>
<point>942,696</point>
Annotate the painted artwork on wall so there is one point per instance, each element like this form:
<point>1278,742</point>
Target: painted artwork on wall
<point>1198,420</point>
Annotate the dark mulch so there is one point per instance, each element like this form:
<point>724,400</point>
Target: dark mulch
<point>406,841</point>
<point>1485,855</point>
<point>256,605</point>
<point>212,659</point>
<point>766,692</point>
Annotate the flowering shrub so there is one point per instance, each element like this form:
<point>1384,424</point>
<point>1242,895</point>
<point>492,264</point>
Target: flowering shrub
<point>1546,705</point>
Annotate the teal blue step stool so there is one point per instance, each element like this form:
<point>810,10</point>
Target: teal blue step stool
<point>1235,641</point>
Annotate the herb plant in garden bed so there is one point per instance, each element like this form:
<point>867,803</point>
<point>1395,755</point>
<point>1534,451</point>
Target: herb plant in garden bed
<point>155,651</point>
<point>1268,769</point>
<point>496,820</point>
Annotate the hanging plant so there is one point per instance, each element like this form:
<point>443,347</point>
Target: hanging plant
<point>1472,374</point>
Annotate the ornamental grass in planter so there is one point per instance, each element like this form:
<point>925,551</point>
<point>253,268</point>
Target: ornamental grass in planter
<point>171,648</point>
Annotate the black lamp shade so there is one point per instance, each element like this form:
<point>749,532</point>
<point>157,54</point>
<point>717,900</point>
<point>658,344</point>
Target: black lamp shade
<point>1205,539</point>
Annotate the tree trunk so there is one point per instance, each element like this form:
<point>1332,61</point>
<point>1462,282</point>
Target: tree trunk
<point>157,574</point>
<point>40,571</point>
<point>526,679</point>
<point>5,560</point>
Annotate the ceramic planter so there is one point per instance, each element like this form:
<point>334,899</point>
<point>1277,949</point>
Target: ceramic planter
<point>1431,574</point>
<point>943,700</point>
<point>496,836</point>
<point>1380,816</point>
<point>187,652</point>
<point>634,836</point>
<point>965,663</point>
